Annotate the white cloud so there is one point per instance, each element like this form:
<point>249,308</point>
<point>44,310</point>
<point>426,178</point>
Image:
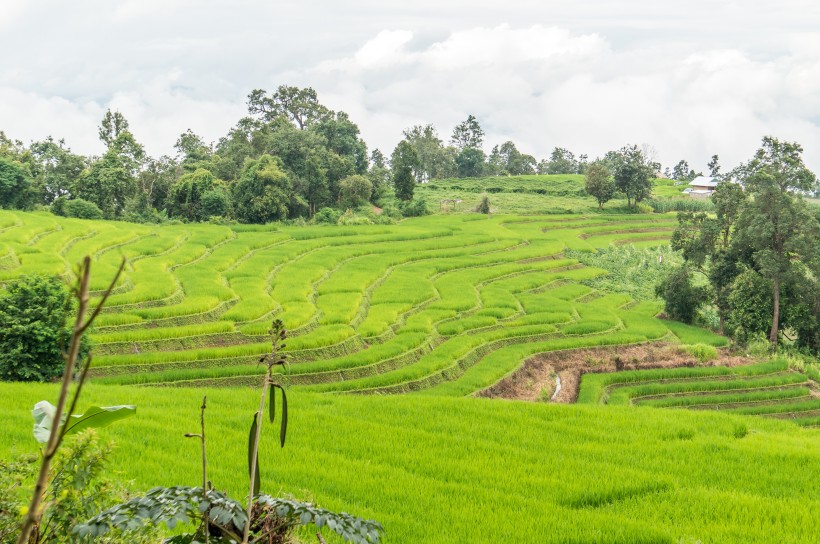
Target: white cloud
<point>692,77</point>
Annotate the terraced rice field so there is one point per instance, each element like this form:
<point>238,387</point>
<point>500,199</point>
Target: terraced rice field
<point>765,389</point>
<point>441,304</point>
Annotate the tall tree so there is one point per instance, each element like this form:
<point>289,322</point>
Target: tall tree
<point>777,225</point>
<point>632,173</point>
<point>55,169</point>
<point>403,161</point>
<point>599,183</point>
<point>714,166</point>
<point>435,160</point>
<point>468,134</point>
<point>470,163</point>
<point>562,161</point>
<point>264,191</point>
<point>112,125</point>
<point>15,184</point>
<point>299,106</point>
<point>192,150</point>
<point>513,162</point>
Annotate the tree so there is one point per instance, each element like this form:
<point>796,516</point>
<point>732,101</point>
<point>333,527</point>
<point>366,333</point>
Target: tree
<point>435,160</point>
<point>562,161</point>
<point>776,225</point>
<point>355,191</point>
<point>15,184</point>
<point>215,203</point>
<point>108,184</point>
<point>34,312</point>
<point>379,173</point>
<point>714,166</point>
<point>470,163</point>
<point>298,106</point>
<point>403,162</point>
<point>192,149</point>
<point>342,138</point>
<point>682,172</point>
<point>511,161</point>
<point>633,175</point>
<point>483,205</point>
<point>599,184</point>
<point>728,199</point>
<point>264,191</point>
<point>185,195</point>
<point>681,297</point>
<point>112,125</point>
<point>55,169</point>
<point>467,134</point>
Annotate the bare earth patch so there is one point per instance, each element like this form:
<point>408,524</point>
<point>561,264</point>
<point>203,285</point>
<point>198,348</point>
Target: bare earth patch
<point>536,379</point>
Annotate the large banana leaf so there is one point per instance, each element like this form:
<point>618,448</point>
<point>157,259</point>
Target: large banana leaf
<point>95,416</point>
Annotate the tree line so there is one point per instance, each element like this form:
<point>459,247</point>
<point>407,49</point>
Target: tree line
<point>289,157</point>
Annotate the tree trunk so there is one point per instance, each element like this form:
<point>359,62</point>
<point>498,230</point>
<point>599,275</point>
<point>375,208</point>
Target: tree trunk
<point>721,322</point>
<point>776,313</point>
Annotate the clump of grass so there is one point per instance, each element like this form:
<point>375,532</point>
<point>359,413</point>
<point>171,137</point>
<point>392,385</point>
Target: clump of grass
<point>702,352</point>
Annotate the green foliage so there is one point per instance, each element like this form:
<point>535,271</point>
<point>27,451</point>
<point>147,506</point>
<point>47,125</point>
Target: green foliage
<point>77,490</point>
<point>681,297</point>
<point>94,417</point>
<point>263,193</point>
<point>470,163</point>
<point>34,311</point>
<point>79,208</point>
<point>274,517</point>
<point>354,191</point>
<point>186,196</point>
<point>215,203</point>
<point>632,174</point>
<point>690,205</point>
<point>483,205</point>
<point>15,184</point>
<point>750,305</point>
<point>327,216</point>
<point>599,184</point>
<point>414,208</point>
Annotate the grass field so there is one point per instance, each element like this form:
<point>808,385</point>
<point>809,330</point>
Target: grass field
<point>443,470</point>
<point>436,308</point>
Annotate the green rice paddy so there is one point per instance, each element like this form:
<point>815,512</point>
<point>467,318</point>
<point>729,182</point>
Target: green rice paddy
<point>393,328</point>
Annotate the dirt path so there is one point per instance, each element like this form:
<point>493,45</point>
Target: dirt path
<point>539,377</point>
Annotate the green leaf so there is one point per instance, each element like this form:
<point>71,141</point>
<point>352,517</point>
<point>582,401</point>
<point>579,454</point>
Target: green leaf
<point>251,440</point>
<point>95,416</point>
<point>284,427</point>
<point>272,394</point>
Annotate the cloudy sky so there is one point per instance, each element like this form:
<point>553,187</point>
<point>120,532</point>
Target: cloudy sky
<point>690,78</point>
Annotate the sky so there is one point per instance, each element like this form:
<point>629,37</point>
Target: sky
<point>687,79</point>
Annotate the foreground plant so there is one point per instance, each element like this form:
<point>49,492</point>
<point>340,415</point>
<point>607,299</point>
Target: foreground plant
<point>57,421</point>
<point>221,519</point>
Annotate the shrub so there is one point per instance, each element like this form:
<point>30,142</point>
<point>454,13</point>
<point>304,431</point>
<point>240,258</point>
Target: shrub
<point>58,206</point>
<point>702,352</point>
<point>82,209</point>
<point>34,314</point>
<point>414,208</point>
<point>326,216</point>
<point>483,205</point>
<point>681,297</point>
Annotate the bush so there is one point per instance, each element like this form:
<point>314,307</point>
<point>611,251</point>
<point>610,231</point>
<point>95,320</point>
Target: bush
<point>681,297</point>
<point>82,209</point>
<point>483,205</point>
<point>58,206</point>
<point>34,313</point>
<point>326,216</point>
<point>414,208</point>
<point>702,352</point>
<point>215,203</point>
